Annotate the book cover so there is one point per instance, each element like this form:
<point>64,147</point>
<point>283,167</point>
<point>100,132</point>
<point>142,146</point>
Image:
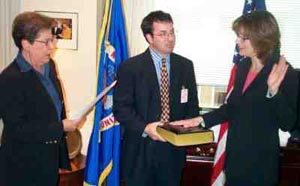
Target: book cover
<point>180,136</point>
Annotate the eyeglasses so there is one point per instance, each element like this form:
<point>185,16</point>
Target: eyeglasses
<point>165,35</point>
<point>242,37</point>
<point>48,41</point>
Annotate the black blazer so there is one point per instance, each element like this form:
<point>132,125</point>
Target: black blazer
<point>252,151</point>
<point>137,103</point>
<point>33,143</point>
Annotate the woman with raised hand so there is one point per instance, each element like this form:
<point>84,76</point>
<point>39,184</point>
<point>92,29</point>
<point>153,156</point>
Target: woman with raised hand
<point>262,101</point>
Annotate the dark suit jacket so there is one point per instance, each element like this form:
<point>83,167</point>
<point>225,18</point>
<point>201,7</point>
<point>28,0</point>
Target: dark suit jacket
<point>137,103</point>
<point>252,151</point>
<point>57,32</point>
<point>33,145</point>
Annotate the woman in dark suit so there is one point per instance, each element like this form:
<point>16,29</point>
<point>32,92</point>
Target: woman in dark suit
<point>33,145</point>
<point>263,100</point>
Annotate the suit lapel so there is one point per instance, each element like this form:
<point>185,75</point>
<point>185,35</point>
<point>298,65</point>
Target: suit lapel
<point>174,75</point>
<point>33,79</point>
<point>150,75</point>
<point>260,79</point>
<point>57,86</point>
<point>242,75</point>
<point>55,81</point>
<point>262,76</point>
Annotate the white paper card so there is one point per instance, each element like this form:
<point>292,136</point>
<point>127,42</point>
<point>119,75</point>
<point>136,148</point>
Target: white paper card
<point>85,110</point>
<point>184,95</point>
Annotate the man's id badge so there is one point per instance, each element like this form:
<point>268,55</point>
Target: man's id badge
<point>184,95</point>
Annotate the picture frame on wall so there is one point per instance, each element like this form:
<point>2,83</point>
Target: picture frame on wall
<point>65,28</point>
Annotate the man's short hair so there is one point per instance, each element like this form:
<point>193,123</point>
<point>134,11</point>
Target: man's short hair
<point>155,16</point>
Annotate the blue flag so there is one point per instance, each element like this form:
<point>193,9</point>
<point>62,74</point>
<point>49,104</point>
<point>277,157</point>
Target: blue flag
<point>249,6</point>
<point>103,154</point>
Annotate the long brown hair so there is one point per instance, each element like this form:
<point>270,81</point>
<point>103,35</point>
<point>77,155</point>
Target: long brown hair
<point>263,31</point>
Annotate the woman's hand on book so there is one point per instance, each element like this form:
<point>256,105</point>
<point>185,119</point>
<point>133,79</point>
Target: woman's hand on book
<point>187,123</point>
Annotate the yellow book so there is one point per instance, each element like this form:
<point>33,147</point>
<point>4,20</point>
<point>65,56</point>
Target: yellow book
<point>180,136</point>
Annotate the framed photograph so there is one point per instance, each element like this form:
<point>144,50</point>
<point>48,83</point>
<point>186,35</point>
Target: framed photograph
<point>65,28</point>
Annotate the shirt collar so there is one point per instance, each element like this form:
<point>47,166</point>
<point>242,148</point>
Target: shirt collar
<point>157,56</point>
<point>25,66</point>
<point>22,63</point>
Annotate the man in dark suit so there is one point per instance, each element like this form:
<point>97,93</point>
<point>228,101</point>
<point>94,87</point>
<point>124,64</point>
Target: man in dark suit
<point>57,29</point>
<point>140,106</point>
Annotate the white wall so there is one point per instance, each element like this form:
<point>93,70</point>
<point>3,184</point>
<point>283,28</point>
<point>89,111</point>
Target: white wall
<point>134,12</point>
<point>77,68</point>
<point>8,10</point>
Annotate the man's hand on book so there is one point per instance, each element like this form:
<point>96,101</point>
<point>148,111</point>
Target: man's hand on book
<point>152,133</point>
<point>187,123</point>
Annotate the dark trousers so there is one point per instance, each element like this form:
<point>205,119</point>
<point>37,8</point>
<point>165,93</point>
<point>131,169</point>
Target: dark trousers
<point>157,175</point>
<point>248,183</point>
